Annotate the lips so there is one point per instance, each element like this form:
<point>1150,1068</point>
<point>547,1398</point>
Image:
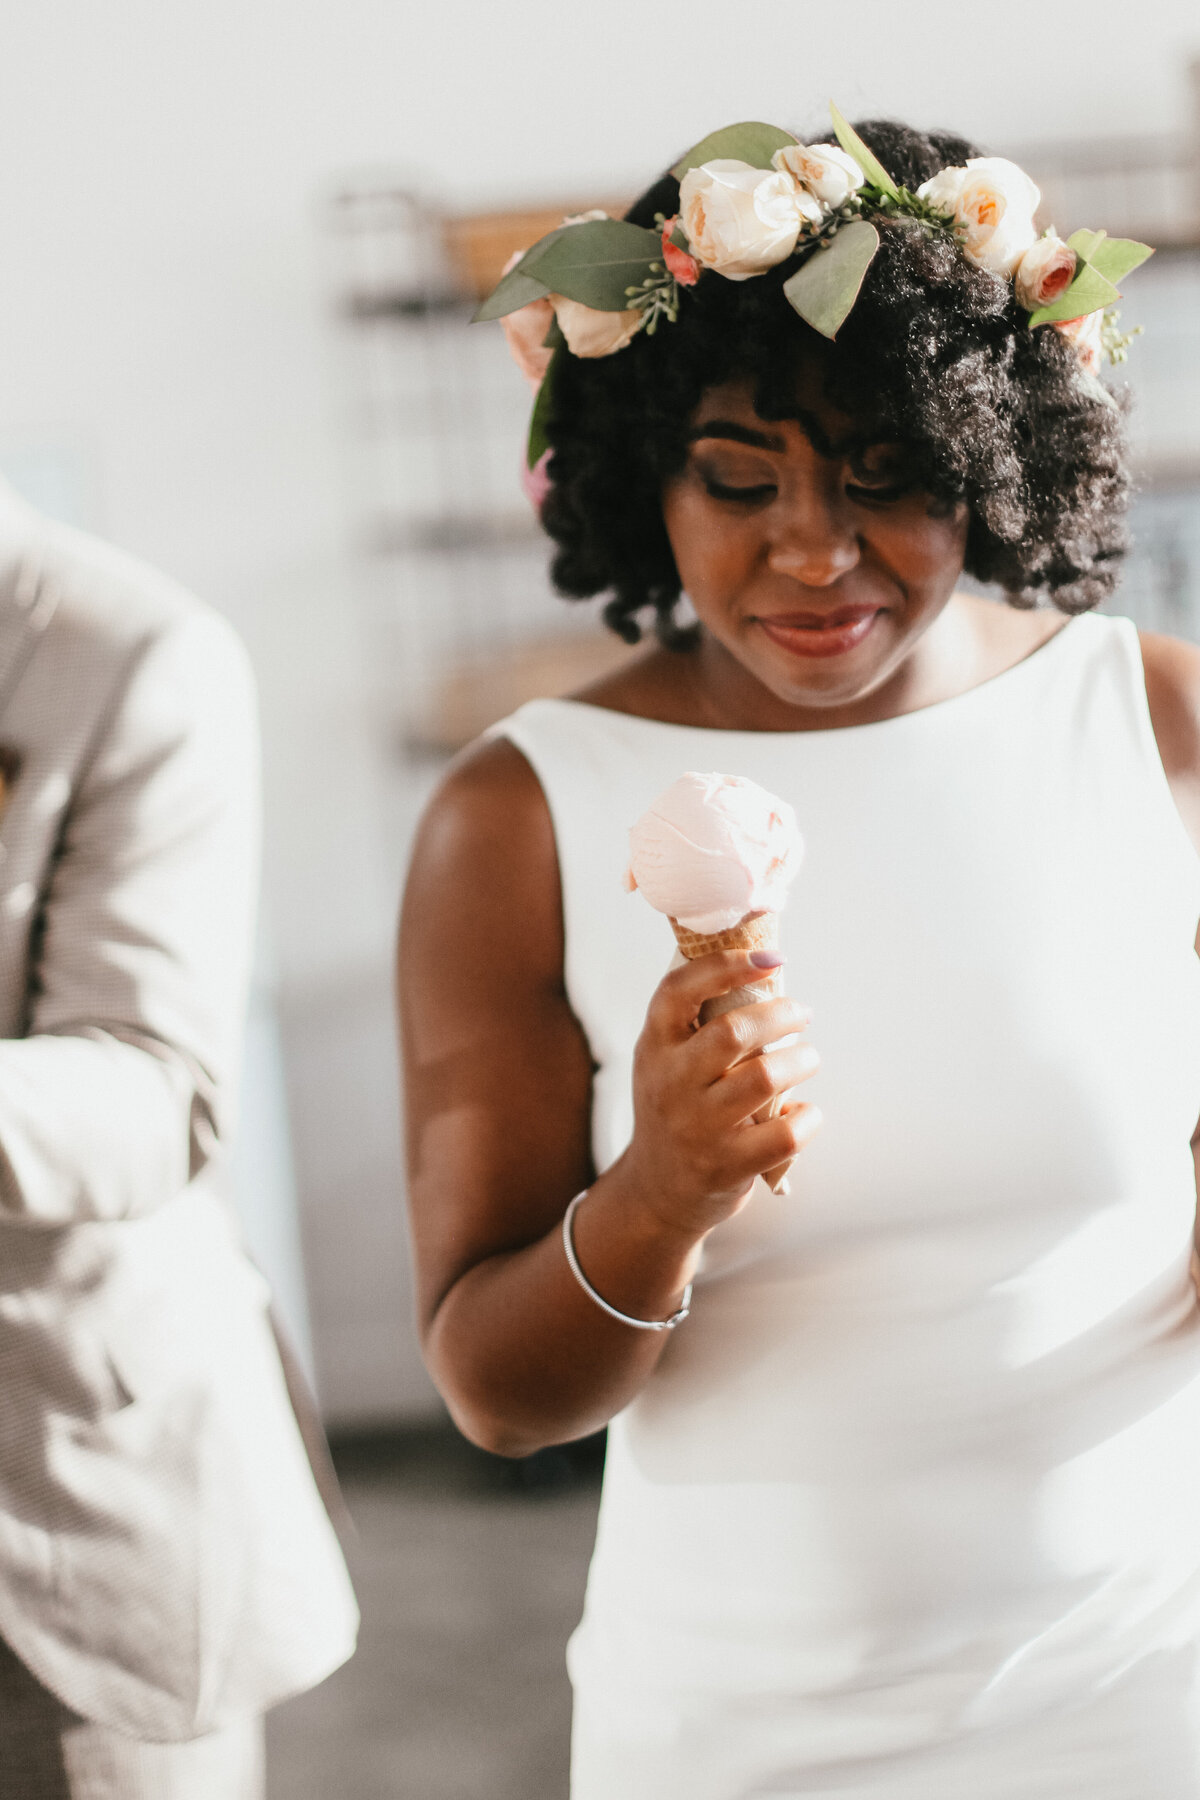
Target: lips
<point>829,633</point>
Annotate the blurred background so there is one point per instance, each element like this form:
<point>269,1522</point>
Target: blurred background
<point>240,246</point>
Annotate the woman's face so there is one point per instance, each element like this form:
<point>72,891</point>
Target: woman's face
<point>818,574</point>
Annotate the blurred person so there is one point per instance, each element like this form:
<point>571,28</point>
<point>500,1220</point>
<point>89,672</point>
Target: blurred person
<point>167,1569</point>
<point>904,1500</point>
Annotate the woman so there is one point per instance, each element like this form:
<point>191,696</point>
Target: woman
<point>910,1503</point>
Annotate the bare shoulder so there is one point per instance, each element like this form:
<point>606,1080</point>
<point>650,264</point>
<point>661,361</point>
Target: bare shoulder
<point>1173,691</point>
<point>1172,671</point>
<point>483,889</point>
<point>489,795</point>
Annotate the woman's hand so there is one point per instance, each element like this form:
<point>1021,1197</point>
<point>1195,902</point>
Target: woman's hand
<point>696,1147</point>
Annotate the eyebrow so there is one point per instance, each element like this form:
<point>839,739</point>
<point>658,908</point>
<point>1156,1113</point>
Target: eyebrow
<point>739,434</point>
<point>820,440</point>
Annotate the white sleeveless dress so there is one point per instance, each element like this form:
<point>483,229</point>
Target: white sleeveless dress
<point>911,1506</point>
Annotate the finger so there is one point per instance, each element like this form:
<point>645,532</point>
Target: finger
<point>745,1089</point>
<point>776,1141</point>
<point>675,1004</point>
<point>733,1036</point>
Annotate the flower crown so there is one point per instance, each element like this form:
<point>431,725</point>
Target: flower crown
<point>751,196</point>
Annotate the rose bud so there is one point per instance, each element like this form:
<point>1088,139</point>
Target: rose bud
<point>683,267</point>
<point>1045,272</point>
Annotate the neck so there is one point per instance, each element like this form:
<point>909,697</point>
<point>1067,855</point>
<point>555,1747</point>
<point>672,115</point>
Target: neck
<point>945,660</point>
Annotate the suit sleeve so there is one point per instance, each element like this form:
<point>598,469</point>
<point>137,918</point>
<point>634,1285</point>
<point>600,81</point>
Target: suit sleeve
<point>122,1090</point>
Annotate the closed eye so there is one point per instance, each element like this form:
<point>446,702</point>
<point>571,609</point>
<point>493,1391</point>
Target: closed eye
<point>719,491</point>
<point>878,496</point>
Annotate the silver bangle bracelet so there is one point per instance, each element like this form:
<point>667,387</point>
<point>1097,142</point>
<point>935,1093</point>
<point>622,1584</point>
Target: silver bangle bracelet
<point>675,1319</point>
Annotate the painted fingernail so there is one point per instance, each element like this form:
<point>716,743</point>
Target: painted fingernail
<point>767,959</point>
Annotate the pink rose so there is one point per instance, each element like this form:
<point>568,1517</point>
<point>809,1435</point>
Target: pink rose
<point>683,267</point>
<point>1045,272</point>
<point>1084,334</point>
<point>535,482</point>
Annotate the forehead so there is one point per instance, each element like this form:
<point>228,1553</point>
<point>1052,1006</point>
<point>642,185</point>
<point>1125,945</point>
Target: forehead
<point>803,403</point>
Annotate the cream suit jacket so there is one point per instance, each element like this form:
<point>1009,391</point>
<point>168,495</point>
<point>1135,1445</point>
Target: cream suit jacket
<point>165,1562</point>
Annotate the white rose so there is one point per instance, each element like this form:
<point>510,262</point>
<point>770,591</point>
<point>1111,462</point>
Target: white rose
<point>741,221</point>
<point>1045,272</point>
<point>996,202</point>
<point>824,170</point>
<point>1085,335</point>
<point>592,333</point>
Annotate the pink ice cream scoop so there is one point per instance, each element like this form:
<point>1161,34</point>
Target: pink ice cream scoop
<point>714,848</point>
<point>717,854</point>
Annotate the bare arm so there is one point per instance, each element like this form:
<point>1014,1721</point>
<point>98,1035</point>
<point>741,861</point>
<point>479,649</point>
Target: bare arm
<point>1173,691</point>
<point>498,1099</point>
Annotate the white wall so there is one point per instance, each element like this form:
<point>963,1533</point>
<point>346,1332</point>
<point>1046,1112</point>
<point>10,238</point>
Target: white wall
<point>161,328</point>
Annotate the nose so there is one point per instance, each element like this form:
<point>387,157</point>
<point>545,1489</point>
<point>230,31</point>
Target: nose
<point>814,542</point>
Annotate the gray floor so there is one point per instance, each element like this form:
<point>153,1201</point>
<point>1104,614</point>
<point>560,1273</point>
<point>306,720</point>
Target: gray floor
<point>470,1575</point>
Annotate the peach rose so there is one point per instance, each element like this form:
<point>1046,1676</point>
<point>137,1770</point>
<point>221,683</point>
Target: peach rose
<point>741,221</point>
<point>824,170</point>
<point>1084,334</point>
<point>592,333</point>
<point>526,331</point>
<point>995,201</point>
<point>1045,272</point>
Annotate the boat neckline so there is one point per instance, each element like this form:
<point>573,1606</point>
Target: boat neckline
<point>1036,658</point>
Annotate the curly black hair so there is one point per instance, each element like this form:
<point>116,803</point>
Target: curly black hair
<point>936,355</point>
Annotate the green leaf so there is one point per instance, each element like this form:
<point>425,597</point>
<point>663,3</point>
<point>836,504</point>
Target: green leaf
<point>538,443</point>
<point>751,142</point>
<point>1117,257</point>
<point>824,288</point>
<point>1084,242</point>
<point>853,145</point>
<point>515,291</point>
<point>595,262</point>
<point>1087,294</point>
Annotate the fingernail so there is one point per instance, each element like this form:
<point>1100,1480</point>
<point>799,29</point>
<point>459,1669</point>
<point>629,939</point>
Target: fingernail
<point>767,959</point>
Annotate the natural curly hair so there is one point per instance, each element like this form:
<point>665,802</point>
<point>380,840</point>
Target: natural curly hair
<point>935,355</point>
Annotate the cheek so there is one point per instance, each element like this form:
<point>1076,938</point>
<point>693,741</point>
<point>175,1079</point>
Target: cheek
<point>707,553</point>
<point>931,542</point>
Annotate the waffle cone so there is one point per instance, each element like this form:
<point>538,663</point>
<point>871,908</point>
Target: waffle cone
<point>756,931</point>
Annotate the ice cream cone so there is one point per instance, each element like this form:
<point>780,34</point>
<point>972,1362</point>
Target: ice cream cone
<point>756,931</point>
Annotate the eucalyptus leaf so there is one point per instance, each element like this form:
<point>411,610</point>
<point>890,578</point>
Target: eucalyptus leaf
<point>595,262</point>
<point>515,291</point>
<point>538,443</point>
<point>824,288</point>
<point>1084,242</point>
<point>750,142</point>
<point>1088,293</point>
<point>1117,257</point>
<point>870,165</point>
